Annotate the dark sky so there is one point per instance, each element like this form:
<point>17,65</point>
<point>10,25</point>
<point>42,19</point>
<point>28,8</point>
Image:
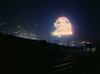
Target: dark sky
<point>83,14</point>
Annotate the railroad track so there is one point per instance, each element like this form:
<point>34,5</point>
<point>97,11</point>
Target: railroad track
<point>70,65</point>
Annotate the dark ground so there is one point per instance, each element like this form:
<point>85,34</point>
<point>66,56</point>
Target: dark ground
<point>23,56</point>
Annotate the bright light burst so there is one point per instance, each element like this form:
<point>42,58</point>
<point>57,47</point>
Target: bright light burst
<point>63,27</point>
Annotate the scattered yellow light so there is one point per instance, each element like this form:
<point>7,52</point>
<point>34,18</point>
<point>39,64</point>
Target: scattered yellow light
<point>87,42</point>
<point>83,41</point>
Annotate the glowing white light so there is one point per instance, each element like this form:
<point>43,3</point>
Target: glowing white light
<point>63,27</point>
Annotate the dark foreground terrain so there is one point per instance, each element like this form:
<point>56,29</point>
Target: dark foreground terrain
<point>23,56</point>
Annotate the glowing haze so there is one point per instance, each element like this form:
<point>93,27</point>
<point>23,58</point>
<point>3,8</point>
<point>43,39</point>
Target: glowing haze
<point>63,27</point>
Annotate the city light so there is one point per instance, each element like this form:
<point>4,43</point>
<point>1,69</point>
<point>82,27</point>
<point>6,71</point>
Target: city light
<point>63,27</point>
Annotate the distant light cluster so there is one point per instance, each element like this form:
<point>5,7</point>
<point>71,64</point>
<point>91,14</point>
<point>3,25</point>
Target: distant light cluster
<point>63,27</point>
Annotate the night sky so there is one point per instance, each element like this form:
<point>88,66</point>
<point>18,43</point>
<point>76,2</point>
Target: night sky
<point>83,14</point>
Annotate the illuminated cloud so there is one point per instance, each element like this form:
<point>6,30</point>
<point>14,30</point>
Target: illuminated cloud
<point>63,27</point>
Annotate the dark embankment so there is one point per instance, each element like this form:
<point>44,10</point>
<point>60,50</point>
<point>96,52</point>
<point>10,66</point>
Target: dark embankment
<point>24,56</point>
<point>18,55</point>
